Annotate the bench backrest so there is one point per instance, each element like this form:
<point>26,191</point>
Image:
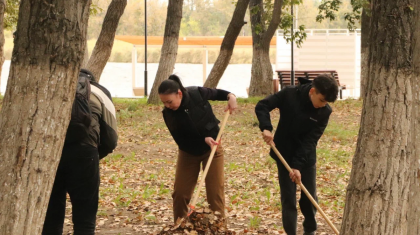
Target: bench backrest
<point>285,75</point>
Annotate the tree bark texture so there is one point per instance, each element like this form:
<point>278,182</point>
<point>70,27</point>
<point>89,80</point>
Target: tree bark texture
<point>169,49</point>
<point>103,46</point>
<point>2,10</point>
<point>85,55</point>
<point>364,48</point>
<point>413,204</point>
<point>226,50</point>
<point>48,51</point>
<point>261,71</point>
<point>383,192</point>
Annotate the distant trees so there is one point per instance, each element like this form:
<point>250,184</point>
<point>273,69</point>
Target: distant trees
<point>169,48</point>
<point>103,46</point>
<point>263,30</point>
<point>226,49</point>
<point>200,17</point>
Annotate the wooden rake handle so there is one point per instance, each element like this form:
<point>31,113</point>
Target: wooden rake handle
<point>213,151</point>
<point>304,190</point>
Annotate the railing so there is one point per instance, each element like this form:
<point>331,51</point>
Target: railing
<point>325,32</point>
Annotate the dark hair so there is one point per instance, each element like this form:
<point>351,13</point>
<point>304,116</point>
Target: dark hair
<point>171,86</point>
<point>327,86</point>
<point>88,74</point>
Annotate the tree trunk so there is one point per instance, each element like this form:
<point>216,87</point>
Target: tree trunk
<point>103,46</point>
<point>261,71</point>
<point>85,55</point>
<point>2,10</point>
<point>169,48</point>
<point>363,52</point>
<point>382,196</point>
<point>413,215</point>
<point>49,47</point>
<point>228,44</point>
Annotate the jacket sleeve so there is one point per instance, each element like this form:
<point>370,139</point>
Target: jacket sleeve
<point>307,145</point>
<point>213,93</point>
<point>108,136</point>
<point>264,107</point>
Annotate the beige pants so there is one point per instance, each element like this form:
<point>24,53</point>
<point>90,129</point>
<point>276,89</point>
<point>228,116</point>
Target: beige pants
<point>187,171</point>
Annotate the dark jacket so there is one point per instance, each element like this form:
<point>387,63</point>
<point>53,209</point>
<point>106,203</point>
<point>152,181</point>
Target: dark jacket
<point>300,125</point>
<point>102,133</point>
<point>194,120</point>
<point>107,120</point>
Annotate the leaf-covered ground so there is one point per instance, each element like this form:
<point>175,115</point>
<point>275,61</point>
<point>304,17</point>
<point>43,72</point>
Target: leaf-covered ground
<point>137,179</point>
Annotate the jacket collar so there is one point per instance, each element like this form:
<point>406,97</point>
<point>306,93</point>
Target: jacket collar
<point>184,103</point>
<point>185,100</point>
<point>304,93</point>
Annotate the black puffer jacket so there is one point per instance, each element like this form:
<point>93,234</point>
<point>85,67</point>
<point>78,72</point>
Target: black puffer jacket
<point>101,132</point>
<point>194,120</point>
<point>300,125</point>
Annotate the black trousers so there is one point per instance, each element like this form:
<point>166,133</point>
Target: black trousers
<point>288,199</point>
<point>78,175</point>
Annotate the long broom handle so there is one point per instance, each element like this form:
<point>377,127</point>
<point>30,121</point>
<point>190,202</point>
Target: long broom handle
<point>213,151</point>
<point>304,190</point>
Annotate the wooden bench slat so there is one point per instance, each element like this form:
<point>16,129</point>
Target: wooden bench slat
<point>285,77</point>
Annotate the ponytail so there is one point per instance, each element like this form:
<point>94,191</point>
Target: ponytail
<point>171,86</point>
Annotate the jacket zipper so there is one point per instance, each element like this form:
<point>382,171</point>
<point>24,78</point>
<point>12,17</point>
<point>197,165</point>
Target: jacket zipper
<point>192,122</point>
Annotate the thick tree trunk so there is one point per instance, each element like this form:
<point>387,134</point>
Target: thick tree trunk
<point>46,59</point>
<point>169,48</point>
<point>103,46</point>
<point>2,10</point>
<point>364,48</point>
<point>413,215</point>
<point>262,72</point>
<point>228,44</point>
<point>382,196</point>
<point>413,204</point>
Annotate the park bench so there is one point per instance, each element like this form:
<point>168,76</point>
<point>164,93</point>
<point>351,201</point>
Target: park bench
<point>285,78</point>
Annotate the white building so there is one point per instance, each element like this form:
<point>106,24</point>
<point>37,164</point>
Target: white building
<point>325,49</point>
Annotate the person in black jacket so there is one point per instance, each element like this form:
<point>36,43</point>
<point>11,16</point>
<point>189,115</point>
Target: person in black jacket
<point>304,114</point>
<point>78,170</point>
<point>194,127</point>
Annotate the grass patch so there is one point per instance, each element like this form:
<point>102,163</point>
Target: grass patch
<point>349,103</point>
<point>255,222</point>
<point>337,132</point>
<point>249,100</point>
<point>126,103</point>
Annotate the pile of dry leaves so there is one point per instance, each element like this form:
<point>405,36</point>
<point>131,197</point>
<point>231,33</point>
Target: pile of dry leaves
<point>201,221</point>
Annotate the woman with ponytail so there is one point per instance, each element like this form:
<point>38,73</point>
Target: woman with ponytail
<point>194,127</point>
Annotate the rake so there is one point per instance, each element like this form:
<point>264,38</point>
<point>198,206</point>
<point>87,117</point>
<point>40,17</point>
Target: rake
<point>191,206</point>
<point>304,190</point>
